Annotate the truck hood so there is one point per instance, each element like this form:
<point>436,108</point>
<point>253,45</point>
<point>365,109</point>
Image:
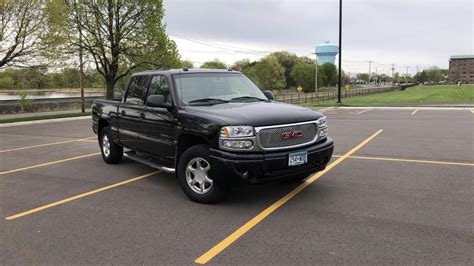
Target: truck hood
<point>255,113</point>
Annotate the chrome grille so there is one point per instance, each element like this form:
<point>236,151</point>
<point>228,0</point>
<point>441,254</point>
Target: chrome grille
<point>271,137</point>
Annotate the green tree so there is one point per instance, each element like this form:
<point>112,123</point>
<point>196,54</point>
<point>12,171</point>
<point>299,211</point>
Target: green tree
<point>214,64</point>
<point>120,36</point>
<point>330,74</point>
<point>186,64</point>
<point>421,77</point>
<point>304,75</point>
<point>363,76</point>
<point>287,60</point>
<point>23,27</point>
<point>270,74</point>
<point>434,74</point>
<point>242,65</point>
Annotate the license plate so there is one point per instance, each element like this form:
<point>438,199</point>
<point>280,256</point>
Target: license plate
<point>298,158</point>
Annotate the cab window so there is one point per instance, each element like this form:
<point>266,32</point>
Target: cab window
<point>159,86</point>
<point>136,88</point>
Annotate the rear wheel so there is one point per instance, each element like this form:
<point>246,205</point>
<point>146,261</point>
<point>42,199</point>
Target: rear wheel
<point>194,178</point>
<point>111,152</point>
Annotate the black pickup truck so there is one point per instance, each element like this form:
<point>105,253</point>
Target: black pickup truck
<point>213,128</point>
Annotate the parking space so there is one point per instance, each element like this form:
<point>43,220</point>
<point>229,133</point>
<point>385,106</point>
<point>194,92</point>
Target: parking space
<point>405,195</point>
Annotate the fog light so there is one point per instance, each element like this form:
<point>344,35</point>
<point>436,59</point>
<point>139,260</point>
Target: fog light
<point>323,132</point>
<point>238,144</point>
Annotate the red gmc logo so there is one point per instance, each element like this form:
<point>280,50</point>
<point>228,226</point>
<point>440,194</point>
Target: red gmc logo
<point>291,135</point>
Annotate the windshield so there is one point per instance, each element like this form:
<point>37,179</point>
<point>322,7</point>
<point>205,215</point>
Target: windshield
<point>215,88</point>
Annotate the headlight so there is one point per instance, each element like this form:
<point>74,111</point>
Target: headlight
<point>323,127</point>
<point>322,122</point>
<point>237,132</point>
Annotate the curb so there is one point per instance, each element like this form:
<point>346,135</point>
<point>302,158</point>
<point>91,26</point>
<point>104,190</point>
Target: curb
<point>44,121</point>
<point>408,108</point>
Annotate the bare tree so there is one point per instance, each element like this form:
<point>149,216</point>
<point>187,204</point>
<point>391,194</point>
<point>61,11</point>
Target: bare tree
<point>22,26</point>
<point>121,36</point>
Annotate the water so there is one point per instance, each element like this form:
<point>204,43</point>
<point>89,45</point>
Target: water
<point>47,95</point>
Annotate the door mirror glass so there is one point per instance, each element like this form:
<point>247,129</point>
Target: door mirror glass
<point>269,94</point>
<point>156,101</point>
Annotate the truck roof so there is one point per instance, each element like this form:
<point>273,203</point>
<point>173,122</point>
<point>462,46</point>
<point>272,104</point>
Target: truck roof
<point>184,70</point>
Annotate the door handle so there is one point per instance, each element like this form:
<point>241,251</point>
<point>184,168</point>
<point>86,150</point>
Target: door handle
<point>123,112</point>
<point>142,115</point>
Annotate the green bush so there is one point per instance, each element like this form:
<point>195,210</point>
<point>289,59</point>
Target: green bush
<point>25,102</point>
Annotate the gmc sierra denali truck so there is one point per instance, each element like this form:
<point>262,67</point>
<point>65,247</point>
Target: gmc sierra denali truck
<point>213,128</point>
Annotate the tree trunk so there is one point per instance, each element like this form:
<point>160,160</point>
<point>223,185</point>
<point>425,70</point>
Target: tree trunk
<point>110,84</point>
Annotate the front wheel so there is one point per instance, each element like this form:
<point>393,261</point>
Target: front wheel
<point>193,175</point>
<point>111,152</point>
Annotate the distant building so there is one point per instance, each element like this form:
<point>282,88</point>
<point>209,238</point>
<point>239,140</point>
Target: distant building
<point>461,68</point>
<point>326,53</point>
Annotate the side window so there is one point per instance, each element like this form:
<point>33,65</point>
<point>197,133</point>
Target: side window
<point>135,90</point>
<point>159,86</point>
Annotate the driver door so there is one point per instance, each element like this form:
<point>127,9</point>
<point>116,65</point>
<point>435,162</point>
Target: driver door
<point>157,124</point>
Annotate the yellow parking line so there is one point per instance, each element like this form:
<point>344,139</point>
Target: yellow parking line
<point>46,144</point>
<point>361,112</point>
<point>407,160</point>
<point>472,111</point>
<point>414,112</point>
<point>214,251</point>
<point>49,163</point>
<point>44,207</point>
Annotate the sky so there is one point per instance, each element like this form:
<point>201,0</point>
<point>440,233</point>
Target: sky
<point>407,33</point>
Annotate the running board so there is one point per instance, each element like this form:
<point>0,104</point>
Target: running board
<point>132,155</point>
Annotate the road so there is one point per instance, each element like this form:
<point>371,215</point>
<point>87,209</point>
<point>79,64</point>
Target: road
<point>403,196</point>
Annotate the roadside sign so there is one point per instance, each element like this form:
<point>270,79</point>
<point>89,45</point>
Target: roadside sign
<point>299,88</point>
<point>347,87</point>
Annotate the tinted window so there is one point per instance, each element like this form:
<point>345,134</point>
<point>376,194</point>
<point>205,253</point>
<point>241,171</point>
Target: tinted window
<point>222,86</point>
<point>136,88</point>
<point>159,86</point>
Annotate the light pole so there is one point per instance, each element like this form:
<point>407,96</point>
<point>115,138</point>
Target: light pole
<point>340,54</point>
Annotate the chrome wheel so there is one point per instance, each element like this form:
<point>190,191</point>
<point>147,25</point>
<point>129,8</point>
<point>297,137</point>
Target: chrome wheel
<point>197,175</point>
<point>106,145</point>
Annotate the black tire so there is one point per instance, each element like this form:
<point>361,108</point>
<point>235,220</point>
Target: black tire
<point>114,153</point>
<point>192,156</point>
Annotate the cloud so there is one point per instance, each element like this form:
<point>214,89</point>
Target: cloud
<point>407,33</point>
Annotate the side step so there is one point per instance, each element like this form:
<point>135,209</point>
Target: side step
<point>132,155</point>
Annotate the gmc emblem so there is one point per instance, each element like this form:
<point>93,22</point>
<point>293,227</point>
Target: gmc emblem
<point>291,135</point>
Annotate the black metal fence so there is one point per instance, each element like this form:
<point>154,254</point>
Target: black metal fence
<point>302,98</point>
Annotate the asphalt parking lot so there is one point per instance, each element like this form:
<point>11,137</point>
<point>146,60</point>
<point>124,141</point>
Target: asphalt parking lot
<point>400,190</point>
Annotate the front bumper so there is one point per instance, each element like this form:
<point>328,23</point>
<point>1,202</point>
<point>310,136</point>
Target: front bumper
<point>238,168</point>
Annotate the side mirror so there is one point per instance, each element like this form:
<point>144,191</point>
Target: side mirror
<point>269,94</point>
<point>156,101</point>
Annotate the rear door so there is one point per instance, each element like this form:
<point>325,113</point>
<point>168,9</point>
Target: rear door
<point>157,124</point>
<point>130,110</point>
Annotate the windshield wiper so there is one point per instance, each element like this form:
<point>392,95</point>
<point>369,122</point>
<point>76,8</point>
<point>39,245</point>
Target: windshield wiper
<point>248,98</point>
<point>209,100</point>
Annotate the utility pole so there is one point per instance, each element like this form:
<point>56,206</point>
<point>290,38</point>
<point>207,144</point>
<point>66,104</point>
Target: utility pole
<point>376,75</point>
<point>393,69</point>
<point>340,54</point>
<point>370,63</point>
<point>406,76</point>
<point>81,71</point>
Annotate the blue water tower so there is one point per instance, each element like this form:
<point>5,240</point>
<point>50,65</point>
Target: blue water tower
<point>326,53</point>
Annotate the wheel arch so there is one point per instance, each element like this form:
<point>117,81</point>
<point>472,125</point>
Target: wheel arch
<point>187,140</point>
<point>102,124</point>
